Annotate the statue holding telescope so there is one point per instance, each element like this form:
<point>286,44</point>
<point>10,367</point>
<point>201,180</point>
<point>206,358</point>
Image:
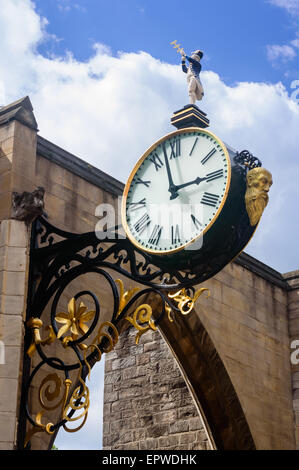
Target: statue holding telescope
<point>195,88</point>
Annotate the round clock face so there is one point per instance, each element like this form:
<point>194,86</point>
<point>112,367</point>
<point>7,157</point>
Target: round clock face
<point>176,191</point>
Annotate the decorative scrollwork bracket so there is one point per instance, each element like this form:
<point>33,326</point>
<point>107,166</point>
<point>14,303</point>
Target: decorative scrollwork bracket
<point>59,258</point>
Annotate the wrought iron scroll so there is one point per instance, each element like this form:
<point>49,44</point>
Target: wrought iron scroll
<point>58,258</point>
<point>247,160</point>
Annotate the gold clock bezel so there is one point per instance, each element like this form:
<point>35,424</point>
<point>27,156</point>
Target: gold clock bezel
<point>139,163</point>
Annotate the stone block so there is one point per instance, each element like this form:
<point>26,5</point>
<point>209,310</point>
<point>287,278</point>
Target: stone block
<point>148,444</point>
<point>7,428</point>
<point>188,438</point>
<point>113,377</point>
<point>179,427</point>
<point>13,258</point>
<point>152,346</point>
<point>5,205</point>
<point>12,283</point>
<point>5,182</point>
<point>123,363</point>
<point>5,166</point>
<point>11,328</point>
<point>166,416</point>
<point>8,396</point>
<point>170,442</point>
<point>111,397</point>
<point>21,183</point>
<point>14,233</point>
<point>158,430</point>
<point>3,232</point>
<point>11,368</point>
<point>12,304</point>
<point>6,446</point>
<point>7,146</point>
<point>7,131</point>
<point>55,208</point>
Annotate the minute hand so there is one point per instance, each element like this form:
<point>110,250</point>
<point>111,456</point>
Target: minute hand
<point>172,187</point>
<point>196,181</point>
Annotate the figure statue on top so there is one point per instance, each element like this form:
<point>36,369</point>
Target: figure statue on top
<point>195,88</point>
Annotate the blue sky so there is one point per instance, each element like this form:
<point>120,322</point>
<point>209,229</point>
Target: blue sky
<point>104,82</point>
<point>234,34</point>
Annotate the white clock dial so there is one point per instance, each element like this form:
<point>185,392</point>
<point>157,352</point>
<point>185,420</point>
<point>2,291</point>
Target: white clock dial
<point>176,191</point>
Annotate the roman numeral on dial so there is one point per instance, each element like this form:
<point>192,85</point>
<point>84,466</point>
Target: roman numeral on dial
<point>214,175</point>
<point>207,157</point>
<point>155,235</point>
<point>175,234</point>
<point>210,199</point>
<point>134,206</point>
<point>155,159</point>
<point>142,223</point>
<point>196,222</point>
<point>140,181</point>
<point>175,148</point>
<point>193,147</point>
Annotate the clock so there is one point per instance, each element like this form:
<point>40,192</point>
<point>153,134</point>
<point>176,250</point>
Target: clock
<point>183,204</point>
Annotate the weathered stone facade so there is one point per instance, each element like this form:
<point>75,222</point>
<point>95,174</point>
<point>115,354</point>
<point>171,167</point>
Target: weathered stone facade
<point>147,403</point>
<point>293,316</point>
<point>13,282</point>
<point>247,320</point>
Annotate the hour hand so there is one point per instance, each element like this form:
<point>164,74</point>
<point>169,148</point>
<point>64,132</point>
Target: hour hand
<point>184,185</point>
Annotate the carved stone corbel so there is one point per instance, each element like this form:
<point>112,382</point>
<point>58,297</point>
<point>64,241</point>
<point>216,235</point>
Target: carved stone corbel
<point>28,206</point>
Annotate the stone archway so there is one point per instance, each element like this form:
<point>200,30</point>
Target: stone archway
<point>209,383</point>
<point>172,391</point>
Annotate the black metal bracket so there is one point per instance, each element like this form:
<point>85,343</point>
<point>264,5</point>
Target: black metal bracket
<point>57,258</point>
<point>247,160</point>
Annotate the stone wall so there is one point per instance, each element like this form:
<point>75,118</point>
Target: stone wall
<point>293,314</point>
<point>246,319</point>
<point>147,404</point>
<point>13,283</point>
<point>70,201</point>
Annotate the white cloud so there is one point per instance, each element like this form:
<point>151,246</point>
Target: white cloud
<point>292,6</point>
<point>108,110</point>
<point>285,52</point>
<point>68,5</point>
<point>295,43</point>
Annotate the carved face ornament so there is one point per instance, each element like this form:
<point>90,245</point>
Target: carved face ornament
<point>259,181</point>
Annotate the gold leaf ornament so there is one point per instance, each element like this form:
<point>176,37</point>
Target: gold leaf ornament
<point>35,324</point>
<point>78,402</point>
<point>184,301</point>
<point>142,316</point>
<point>124,296</point>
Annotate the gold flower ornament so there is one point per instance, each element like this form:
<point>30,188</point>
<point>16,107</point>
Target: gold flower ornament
<point>75,320</point>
